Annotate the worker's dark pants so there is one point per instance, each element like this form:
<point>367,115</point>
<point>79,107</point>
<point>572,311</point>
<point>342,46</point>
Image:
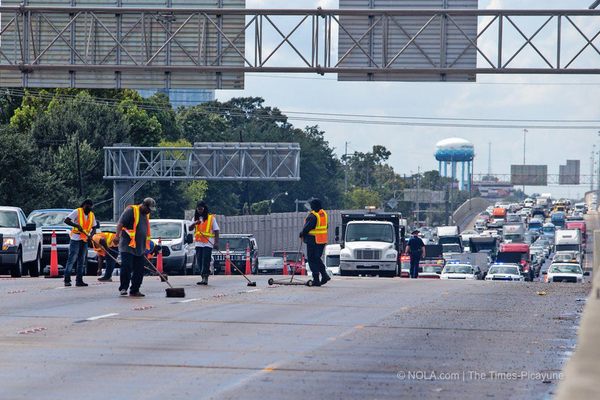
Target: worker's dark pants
<point>314,253</point>
<point>109,263</point>
<point>77,254</point>
<point>202,264</point>
<point>414,264</point>
<point>132,271</point>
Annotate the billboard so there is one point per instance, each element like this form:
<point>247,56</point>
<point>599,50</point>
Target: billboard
<point>407,41</point>
<point>569,174</point>
<point>529,175</point>
<point>137,49</point>
<point>424,196</point>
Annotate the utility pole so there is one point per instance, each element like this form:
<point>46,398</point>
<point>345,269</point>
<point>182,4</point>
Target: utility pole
<point>592,172</point>
<point>598,166</point>
<point>418,192</point>
<point>346,169</point>
<point>489,172</point>
<point>524,151</point>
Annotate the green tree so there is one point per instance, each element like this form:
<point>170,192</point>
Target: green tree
<point>359,198</point>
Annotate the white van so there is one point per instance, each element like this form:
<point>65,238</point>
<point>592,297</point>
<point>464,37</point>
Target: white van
<point>174,235</point>
<point>332,258</point>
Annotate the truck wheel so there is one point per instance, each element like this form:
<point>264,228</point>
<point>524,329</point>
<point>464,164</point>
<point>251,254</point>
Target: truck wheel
<point>17,269</point>
<point>35,267</point>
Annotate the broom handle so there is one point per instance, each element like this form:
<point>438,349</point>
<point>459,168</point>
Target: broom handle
<point>145,266</point>
<point>221,253</point>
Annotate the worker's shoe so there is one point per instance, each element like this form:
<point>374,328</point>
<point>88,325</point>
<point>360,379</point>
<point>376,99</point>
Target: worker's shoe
<point>136,294</point>
<point>123,292</point>
<point>325,279</point>
<point>204,281</point>
<point>81,284</point>
<point>316,283</point>
<point>103,279</point>
<point>67,284</point>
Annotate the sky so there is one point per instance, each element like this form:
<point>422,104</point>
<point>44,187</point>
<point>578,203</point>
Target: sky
<point>543,97</point>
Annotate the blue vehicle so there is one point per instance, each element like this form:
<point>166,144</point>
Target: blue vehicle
<point>535,225</point>
<point>558,219</point>
<point>549,230</point>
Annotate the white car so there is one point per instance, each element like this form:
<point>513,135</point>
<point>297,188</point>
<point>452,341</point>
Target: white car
<point>564,272</point>
<point>332,258</point>
<point>504,272</point>
<point>21,250</point>
<point>454,270</point>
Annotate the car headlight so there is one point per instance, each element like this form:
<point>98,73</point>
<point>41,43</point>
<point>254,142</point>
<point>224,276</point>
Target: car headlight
<point>345,255</point>
<point>392,255</point>
<point>177,247</point>
<point>7,242</point>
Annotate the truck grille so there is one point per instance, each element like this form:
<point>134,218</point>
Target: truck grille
<point>570,279</point>
<point>366,254</point>
<point>60,238</point>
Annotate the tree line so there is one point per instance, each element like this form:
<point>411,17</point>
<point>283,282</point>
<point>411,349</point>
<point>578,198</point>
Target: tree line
<point>52,141</point>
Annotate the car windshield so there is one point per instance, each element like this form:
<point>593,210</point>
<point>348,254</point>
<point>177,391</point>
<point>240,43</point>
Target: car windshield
<point>237,244</point>
<point>165,230</point>
<point>513,236</point>
<point>451,248</point>
<point>370,233</point>
<point>432,269</point>
<point>108,227</point>
<point>565,268</point>
<point>48,218</point>
<point>564,257</point>
<point>458,269</point>
<point>270,261</point>
<point>504,270</point>
<point>332,261</point>
<point>291,256</point>
<point>9,219</point>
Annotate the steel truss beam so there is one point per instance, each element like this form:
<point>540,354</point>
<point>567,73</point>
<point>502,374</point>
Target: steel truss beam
<point>553,179</point>
<point>131,33</point>
<point>130,167</point>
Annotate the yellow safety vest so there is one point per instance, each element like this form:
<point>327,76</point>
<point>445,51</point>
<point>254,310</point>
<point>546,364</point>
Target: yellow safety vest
<point>320,231</point>
<point>204,230</point>
<point>86,225</point>
<point>136,221</point>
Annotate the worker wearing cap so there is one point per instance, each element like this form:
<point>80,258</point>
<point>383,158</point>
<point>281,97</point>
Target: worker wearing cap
<point>314,235</point>
<point>106,250</point>
<point>416,248</point>
<point>84,225</point>
<point>133,238</point>
<point>206,238</point>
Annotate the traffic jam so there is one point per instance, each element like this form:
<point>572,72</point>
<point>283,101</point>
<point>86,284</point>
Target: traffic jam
<point>538,239</point>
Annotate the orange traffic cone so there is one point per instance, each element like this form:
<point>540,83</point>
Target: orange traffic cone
<point>285,264</point>
<point>227,260</point>
<point>303,269</point>
<point>248,264</point>
<point>53,258</point>
<point>159,259</point>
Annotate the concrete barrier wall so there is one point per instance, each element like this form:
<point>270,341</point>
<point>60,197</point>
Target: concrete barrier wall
<point>468,211</point>
<point>274,231</point>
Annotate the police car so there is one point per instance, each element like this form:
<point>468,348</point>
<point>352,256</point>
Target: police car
<point>504,272</point>
<point>460,270</point>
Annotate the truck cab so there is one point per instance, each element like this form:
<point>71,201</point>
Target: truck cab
<point>371,244</point>
<point>238,243</point>
<point>517,253</point>
<point>53,220</point>
<point>513,233</point>
<point>21,251</point>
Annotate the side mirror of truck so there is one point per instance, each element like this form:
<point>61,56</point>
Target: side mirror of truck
<point>189,238</point>
<point>30,227</point>
<point>337,233</point>
<point>586,273</point>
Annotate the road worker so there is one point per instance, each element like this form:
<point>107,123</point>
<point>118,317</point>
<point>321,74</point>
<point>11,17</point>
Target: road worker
<point>314,235</point>
<point>107,251</point>
<point>206,238</point>
<point>84,226</point>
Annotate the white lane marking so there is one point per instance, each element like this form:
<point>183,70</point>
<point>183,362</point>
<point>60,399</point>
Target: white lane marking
<point>253,290</point>
<point>188,300</point>
<point>101,316</point>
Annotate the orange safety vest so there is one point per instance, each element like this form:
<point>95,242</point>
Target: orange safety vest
<point>136,221</point>
<point>204,230</point>
<point>86,225</point>
<point>320,231</point>
<point>96,243</point>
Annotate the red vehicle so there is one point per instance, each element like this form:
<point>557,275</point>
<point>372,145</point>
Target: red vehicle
<point>517,253</point>
<point>294,260</point>
<point>581,225</point>
<point>404,266</point>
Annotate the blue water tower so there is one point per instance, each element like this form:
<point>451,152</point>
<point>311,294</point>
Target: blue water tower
<point>454,151</point>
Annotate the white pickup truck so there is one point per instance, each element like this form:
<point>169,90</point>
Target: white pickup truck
<point>21,251</point>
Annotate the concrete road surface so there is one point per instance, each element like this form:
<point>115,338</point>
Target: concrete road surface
<point>355,338</point>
